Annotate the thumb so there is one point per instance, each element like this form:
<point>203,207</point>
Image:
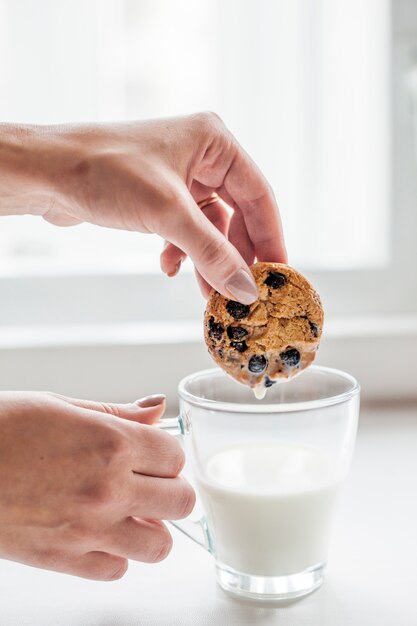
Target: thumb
<point>215,258</point>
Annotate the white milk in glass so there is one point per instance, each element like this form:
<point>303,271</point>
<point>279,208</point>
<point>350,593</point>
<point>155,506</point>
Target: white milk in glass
<point>269,507</point>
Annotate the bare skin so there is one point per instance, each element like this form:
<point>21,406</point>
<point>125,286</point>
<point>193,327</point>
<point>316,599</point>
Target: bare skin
<point>147,177</point>
<point>83,485</point>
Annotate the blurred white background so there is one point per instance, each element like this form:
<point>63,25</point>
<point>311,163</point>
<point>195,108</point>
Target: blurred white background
<point>303,84</point>
<point>320,92</point>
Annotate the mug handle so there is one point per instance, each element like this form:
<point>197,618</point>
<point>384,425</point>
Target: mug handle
<point>196,530</point>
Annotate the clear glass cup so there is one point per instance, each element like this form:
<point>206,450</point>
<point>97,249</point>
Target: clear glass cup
<point>268,473</point>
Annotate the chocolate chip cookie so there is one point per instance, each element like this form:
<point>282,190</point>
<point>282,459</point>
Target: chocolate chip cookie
<point>275,337</point>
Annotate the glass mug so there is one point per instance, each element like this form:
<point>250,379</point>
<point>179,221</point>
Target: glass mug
<point>268,473</point>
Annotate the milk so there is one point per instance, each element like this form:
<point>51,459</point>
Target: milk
<point>269,507</point>
<point>259,392</point>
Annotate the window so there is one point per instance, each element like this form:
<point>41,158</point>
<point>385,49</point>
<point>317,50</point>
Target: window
<point>304,85</point>
<point>320,92</point>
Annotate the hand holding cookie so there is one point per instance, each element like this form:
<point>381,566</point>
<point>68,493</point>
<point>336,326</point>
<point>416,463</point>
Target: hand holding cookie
<point>274,338</point>
<point>154,176</point>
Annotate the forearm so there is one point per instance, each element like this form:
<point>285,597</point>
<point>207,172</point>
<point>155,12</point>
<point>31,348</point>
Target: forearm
<point>27,169</point>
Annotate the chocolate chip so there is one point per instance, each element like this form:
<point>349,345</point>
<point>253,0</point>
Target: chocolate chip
<point>291,357</point>
<point>257,364</point>
<point>268,382</point>
<point>215,329</point>
<point>237,310</point>
<point>236,332</point>
<point>275,280</point>
<point>314,328</point>
<point>240,346</point>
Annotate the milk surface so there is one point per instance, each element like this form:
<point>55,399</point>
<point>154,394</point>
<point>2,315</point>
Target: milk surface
<point>269,507</point>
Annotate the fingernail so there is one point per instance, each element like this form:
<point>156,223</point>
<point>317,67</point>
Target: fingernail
<point>176,270</point>
<point>242,287</point>
<point>149,401</point>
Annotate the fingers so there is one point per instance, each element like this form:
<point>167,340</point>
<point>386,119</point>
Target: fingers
<point>95,566</point>
<point>225,165</point>
<point>220,218</point>
<point>239,237</point>
<point>172,256</point>
<point>150,451</point>
<point>161,498</point>
<point>215,258</point>
<point>146,410</point>
<point>254,197</point>
<point>142,540</point>
<point>205,288</point>
<point>156,453</point>
<point>171,259</point>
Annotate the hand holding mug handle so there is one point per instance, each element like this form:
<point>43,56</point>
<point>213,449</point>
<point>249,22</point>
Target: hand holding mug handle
<point>196,530</point>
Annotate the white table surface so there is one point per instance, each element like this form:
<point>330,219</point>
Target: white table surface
<point>371,577</point>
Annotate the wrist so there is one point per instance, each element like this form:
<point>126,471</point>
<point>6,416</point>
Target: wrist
<point>29,162</point>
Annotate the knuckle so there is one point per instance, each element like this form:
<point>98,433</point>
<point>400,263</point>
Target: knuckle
<point>187,500</point>
<point>112,447</point>
<point>162,548</point>
<point>209,122</point>
<point>164,446</point>
<point>215,251</point>
<point>255,203</point>
<point>99,493</point>
<point>117,574</point>
<point>106,459</point>
<point>178,459</point>
<point>110,409</point>
<point>211,118</point>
